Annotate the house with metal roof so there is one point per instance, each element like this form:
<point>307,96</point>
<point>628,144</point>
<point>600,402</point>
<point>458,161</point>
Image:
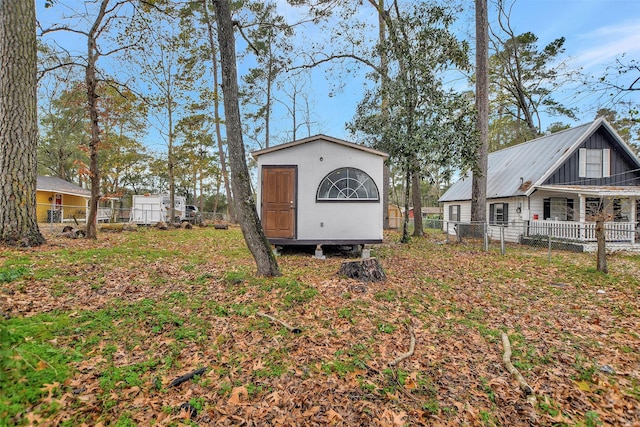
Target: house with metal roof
<point>557,184</point>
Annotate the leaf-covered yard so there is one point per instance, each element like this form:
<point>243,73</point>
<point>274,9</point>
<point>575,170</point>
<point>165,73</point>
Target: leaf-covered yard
<point>94,332</point>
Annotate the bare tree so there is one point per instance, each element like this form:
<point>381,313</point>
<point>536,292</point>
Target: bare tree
<point>240,179</point>
<point>107,14</point>
<point>18,124</point>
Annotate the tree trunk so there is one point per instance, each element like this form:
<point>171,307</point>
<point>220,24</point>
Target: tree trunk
<point>416,197</point>
<point>365,270</point>
<point>240,179</point>
<point>479,180</point>
<point>18,124</point>
<point>94,142</point>
<point>602,250</point>
<point>384,107</point>
<point>405,222</point>
<point>385,196</point>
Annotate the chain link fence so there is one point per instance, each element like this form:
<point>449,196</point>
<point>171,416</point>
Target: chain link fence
<point>548,235</point>
<point>56,217</point>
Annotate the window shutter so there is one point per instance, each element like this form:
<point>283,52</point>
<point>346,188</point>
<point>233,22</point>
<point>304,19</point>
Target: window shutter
<point>582,159</point>
<point>606,163</point>
<point>505,213</point>
<point>492,209</point>
<point>546,211</point>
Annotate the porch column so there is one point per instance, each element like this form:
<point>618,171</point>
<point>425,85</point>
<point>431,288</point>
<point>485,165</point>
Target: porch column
<point>633,218</point>
<point>582,207</point>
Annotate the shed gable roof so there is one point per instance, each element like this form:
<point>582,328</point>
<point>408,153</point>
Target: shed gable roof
<point>520,169</point>
<point>57,185</point>
<point>319,137</point>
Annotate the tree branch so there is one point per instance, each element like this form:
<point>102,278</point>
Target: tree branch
<point>403,356</point>
<point>338,57</point>
<point>506,359</point>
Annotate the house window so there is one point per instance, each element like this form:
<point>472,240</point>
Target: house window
<point>594,163</point>
<point>454,213</point>
<point>593,207</point>
<point>346,184</point>
<point>558,209</point>
<point>621,210</point>
<point>499,213</point>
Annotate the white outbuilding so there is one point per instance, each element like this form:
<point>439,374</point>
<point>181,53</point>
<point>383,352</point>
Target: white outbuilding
<point>321,191</point>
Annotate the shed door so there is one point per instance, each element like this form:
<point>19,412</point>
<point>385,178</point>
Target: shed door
<point>279,201</point>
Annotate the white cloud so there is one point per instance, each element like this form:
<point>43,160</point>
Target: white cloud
<point>602,45</point>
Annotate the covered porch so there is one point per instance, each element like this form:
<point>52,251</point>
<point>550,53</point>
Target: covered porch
<point>626,232</point>
<point>570,213</point>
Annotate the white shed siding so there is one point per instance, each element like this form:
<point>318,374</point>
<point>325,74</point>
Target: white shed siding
<point>349,220</point>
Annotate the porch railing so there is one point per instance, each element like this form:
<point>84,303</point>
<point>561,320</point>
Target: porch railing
<point>584,231</point>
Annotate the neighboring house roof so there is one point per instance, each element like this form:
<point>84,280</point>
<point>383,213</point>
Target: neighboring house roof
<point>57,185</point>
<point>521,169</point>
<point>318,137</point>
<point>429,210</point>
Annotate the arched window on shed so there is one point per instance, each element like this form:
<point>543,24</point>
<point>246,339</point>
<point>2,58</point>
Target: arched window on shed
<point>347,184</point>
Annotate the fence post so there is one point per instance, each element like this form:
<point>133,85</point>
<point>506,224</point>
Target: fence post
<point>485,235</point>
<point>502,249</point>
<point>549,237</point>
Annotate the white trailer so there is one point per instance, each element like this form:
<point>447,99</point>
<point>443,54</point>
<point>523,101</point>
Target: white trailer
<point>153,208</point>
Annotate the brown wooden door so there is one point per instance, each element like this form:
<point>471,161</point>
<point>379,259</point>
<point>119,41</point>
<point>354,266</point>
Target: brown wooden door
<point>279,201</point>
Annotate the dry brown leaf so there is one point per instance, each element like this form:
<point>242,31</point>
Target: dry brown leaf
<point>236,395</point>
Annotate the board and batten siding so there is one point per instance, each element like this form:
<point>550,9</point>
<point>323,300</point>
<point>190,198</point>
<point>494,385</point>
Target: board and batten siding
<point>621,167</point>
<point>348,220</point>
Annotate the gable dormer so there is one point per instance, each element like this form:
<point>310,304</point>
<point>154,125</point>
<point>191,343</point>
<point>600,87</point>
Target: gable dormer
<point>599,161</point>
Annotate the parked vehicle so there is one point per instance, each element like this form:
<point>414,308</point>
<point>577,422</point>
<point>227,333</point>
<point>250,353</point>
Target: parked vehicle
<point>150,209</point>
<point>192,214</point>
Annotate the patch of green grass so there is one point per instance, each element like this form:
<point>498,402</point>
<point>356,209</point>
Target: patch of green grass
<point>11,273</point>
<point>585,372</point>
<point>236,277</point>
<point>635,389</point>
<point>125,420</point>
<point>218,309</point>
<point>119,377</point>
<point>386,328</point>
<point>592,419</point>
<point>487,418</point>
<point>549,406</point>
<point>274,364</point>
<point>389,295</point>
<point>347,313</point>
<point>31,359</point>
<point>431,406</point>
<point>290,292</point>
<point>349,360</point>
<point>487,389</point>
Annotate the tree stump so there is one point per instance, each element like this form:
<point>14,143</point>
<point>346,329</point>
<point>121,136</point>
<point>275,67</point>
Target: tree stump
<point>364,270</point>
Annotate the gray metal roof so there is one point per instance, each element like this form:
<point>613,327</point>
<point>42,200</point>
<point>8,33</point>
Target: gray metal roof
<point>57,185</point>
<point>518,170</point>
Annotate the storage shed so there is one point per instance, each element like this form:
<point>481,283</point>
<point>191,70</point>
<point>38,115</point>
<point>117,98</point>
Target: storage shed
<point>320,191</point>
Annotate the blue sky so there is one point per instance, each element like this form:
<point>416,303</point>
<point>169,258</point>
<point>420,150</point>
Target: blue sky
<point>596,32</point>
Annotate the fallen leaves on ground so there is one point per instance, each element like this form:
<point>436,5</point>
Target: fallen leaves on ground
<point>181,300</point>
